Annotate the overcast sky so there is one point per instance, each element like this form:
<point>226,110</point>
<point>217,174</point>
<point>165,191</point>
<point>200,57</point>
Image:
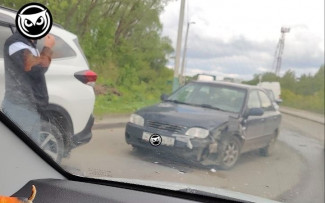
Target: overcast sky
<point>238,37</point>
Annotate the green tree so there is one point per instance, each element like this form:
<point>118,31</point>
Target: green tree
<point>269,77</point>
<point>307,92</point>
<point>288,80</point>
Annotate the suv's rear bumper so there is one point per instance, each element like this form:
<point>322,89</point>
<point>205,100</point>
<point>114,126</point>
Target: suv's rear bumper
<point>85,135</point>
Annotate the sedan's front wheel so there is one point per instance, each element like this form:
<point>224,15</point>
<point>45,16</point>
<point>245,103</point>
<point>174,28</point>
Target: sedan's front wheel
<point>228,152</point>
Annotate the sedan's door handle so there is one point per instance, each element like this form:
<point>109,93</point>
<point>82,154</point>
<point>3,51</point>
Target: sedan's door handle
<point>262,119</point>
<point>275,117</point>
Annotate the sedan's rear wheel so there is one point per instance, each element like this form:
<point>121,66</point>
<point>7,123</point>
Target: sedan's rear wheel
<point>228,152</point>
<point>268,150</point>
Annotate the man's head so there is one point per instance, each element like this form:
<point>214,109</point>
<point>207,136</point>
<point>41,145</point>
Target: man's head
<point>34,20</point>
<point>34,23</point>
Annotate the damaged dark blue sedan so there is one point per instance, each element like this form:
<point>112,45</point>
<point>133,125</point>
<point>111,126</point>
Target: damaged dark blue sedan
<point>210,123</point>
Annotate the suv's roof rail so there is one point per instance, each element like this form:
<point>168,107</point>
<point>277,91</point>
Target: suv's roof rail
<point>15,11</point>
<point>9,9</point>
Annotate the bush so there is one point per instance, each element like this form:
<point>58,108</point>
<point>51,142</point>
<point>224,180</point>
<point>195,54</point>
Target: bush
<point>314,102</point>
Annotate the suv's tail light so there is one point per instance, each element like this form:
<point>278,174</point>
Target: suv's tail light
<point>87,77</point>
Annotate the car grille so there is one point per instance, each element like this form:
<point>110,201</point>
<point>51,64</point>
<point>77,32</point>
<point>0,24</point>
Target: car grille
<point>166,127</point>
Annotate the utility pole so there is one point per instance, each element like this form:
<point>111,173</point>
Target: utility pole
<point>182,77</point>
<point>279,51</point>
<point>178,46</point>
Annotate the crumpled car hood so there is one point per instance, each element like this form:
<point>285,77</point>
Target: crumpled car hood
<point>185,115</point>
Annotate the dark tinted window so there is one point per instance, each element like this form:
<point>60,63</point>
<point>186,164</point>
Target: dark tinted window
<point>60,50</point>
<point>253,100</point>
<point>5,32</point>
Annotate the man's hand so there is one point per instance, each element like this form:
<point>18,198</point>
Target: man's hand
<point>49,41</point>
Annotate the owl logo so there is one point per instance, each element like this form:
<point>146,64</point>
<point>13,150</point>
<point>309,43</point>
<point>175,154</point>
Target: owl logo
<point>155,140</point>
<point>34,20</point>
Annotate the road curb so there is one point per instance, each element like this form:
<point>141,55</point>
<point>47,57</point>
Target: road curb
<point>102,126</point>
<point>302,117</point>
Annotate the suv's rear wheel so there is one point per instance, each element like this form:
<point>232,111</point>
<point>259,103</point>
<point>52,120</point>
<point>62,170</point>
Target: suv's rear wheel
<point>51,141</point>
<point>228,152</point>
<point>268,150</point>
<point>61,123</point>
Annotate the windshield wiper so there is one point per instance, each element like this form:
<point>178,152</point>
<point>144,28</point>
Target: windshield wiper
<point>175,101</point>
<point>211,107</point>
<point>199,105</point>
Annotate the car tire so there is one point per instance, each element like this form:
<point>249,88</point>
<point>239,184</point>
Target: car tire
<point>268,150</point>
<point>51,141</point>
<point>59,120</point>
<point>137,149</point>
<point>228,152</point>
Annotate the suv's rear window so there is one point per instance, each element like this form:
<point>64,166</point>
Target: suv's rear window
<point>60,50</point>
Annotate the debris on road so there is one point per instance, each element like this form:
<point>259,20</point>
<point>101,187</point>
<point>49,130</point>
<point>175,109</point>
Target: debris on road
<point>213,170</point>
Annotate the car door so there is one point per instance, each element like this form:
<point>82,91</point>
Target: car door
<point>5,33</point>
<point>254,125</point>
<point>271,117</point>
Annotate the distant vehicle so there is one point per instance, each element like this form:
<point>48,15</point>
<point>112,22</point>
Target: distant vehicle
<point>208,122</point>
<point>234,80</point>
<point>69,83</point>
<point>205,77</point>
<point>275,87</point>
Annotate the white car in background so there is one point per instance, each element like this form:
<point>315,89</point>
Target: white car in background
<point>205,77</point>
<point>275,88</point>
<point>70,88</point>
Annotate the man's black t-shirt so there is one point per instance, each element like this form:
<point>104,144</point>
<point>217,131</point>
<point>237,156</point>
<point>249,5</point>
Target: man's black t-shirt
<point>21,86</point>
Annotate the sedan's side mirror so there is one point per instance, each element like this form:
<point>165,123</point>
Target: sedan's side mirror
<point>163,97</point>
<point>255,112</point>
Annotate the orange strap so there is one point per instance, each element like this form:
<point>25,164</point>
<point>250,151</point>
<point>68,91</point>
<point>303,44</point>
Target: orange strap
<point>4,199</point>
<point>9,200</point>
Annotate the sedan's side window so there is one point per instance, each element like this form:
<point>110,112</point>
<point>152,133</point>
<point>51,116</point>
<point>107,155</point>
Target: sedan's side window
<point>5,33</point>
<point>266,102</point>
<point>253,100</point>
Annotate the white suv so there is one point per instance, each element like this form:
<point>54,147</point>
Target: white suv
<point>69,82</point>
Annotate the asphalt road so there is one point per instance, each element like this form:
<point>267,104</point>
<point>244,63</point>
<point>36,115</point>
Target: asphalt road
<point>294,173</point>
<point>307,138</point>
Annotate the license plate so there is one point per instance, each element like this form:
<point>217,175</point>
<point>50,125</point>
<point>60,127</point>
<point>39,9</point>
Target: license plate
<point>168,141</point>
<point>146,136</point>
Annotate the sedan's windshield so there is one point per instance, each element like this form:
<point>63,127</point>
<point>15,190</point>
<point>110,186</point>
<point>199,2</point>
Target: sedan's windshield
<point>210,96</point>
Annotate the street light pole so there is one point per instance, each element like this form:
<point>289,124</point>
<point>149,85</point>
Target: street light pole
<point>178,46</point>
<point>182,77</point>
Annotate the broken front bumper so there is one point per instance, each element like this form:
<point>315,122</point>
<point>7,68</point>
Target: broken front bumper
<point>184,146</point>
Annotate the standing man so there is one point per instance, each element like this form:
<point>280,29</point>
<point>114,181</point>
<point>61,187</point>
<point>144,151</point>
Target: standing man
<point>25,86</point>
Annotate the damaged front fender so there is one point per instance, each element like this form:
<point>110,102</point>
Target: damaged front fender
<point>232,127</point>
